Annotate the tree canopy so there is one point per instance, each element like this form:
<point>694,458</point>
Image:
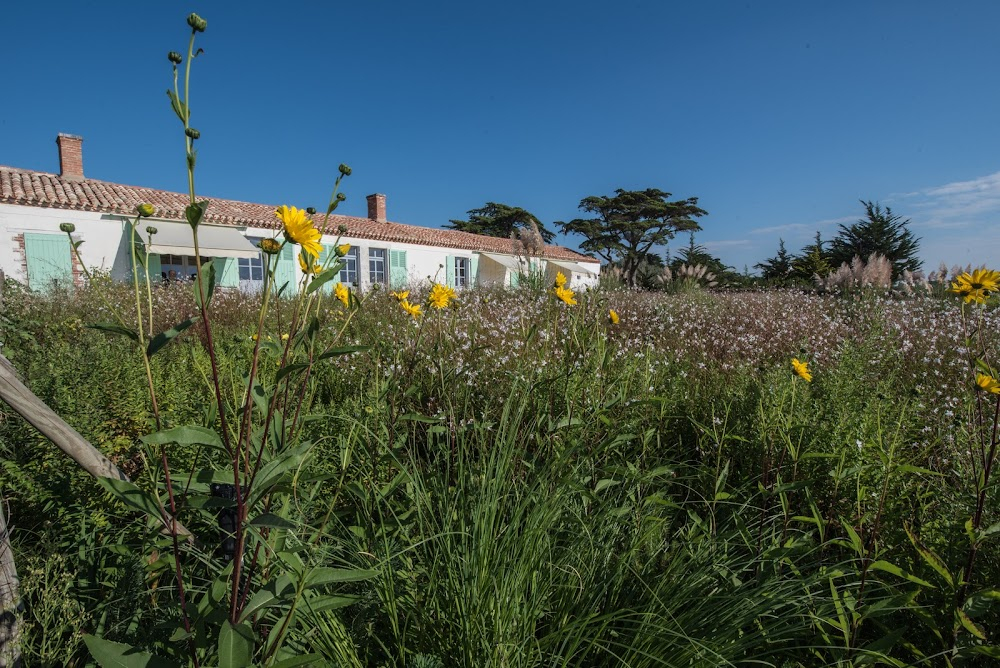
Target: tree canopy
<point>499,220</point>
<point>627,225</point>
<point>779,267</point>
<point>880,231</point>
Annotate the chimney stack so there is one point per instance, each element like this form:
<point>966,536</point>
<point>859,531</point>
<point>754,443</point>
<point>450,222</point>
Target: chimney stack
<point>376,207</point>
<point>70,157</point>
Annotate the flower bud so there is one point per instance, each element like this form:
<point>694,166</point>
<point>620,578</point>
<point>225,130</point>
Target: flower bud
<point>145,210</point>
<point>174,57</point>
<point>197,23</point>
<point>68,228</point>
<point>311,210</point>
<point>343,249</point>
<point>344,169</point>
<point>341,197</point>
<point>270,246</point>
<point>341,229</point>
<point>192,133</point>
<point>150,230</point>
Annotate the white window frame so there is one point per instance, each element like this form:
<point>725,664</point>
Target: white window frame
<point>349,274</point>
<point>376,255</point>
<point>463,267</point>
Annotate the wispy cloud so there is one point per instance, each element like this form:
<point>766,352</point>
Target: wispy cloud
<point>956,205</point>
<point>803,227</point>
<point>726,243</point>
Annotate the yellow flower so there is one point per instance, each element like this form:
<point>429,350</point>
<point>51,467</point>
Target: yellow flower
<point>343,249</point>
<point>566,295</point>
<point>284,337</point>
<point>441,296</point>
<point>299,229</point>
<point>343,293</point>
<point>987,383</point>
<point>304,265</point>
<point>802,370</point>
<point>977,286</point>
<point>412,309</point>
<point>560,280</point>
<point>401,296</point>
<point>613,317</point>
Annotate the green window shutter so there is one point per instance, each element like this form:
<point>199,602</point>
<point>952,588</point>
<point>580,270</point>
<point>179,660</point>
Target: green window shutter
<point>284,273</point>
<point>399,273</point>
<point>324,254</point>
<point>449,270</point>
<point>154,267</point>
<point>474,270</point>
<point>515,278</point>
<point>227,273</point>
<point>49,259</point>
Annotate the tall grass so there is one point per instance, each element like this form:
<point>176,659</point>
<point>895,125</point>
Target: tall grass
<point>537,487</point>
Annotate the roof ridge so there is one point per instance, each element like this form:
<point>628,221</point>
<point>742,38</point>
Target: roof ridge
<point>53,191</point>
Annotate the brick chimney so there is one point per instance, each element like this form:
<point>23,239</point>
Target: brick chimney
<point>376,207</point>
<point>70,157</point>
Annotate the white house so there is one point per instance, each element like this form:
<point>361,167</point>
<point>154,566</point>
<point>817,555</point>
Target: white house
<point>35,252</point>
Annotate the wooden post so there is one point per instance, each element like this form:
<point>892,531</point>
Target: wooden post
<point>10,601</point>
<point>44,419</point>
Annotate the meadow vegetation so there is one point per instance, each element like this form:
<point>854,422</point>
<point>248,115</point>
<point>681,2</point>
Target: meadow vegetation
<point>525,483</point>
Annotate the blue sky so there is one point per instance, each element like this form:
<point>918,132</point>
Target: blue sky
<point>779,116</point>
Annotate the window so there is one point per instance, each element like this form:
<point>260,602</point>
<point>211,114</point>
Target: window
<point>251,270</point>
<point>349,274</point>
<point>180,267</point>
<point>461,272</point>
<point>376,265</point>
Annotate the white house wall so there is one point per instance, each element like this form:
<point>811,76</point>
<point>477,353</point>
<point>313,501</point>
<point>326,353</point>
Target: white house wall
<point>103,249</point>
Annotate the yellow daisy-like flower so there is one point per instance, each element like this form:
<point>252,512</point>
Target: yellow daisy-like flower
<point>441,296</point>
<point>412,309</point>
<point>977,286</point>
<point>304,265</point>
<point>343,249</point>
<point>343,293</point>
<point>401,296</point>
<point>987,383</point>
<point>613,317</point>
<point>560,280</point>
<point>299,229</point>
<point>284,337</point>
<point>802,370</point>
<point>566,295</point>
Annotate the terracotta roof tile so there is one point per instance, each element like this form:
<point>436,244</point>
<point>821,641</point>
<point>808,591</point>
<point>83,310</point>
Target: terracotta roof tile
<point>27,188</point>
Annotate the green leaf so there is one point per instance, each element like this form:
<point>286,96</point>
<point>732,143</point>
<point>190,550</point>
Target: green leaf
<point>346,350</point>
<point>980,602</point>
<point>969,625</point>
<point>325,603</point>
<point>195,212</point>
<point>604,484</point>
<point>932,559</point>
<point>115,329</point>
<point>163,338</point>
<point>320,577</point>
<point>133,497</point>
<point>899,572</point>
<point>289,369</point>
<point>295,661</point>
<point>416,417</point>
<point>270,595</point>
<point>991,651</point>
<point>273,521</point>
<point>110,654</point>
<point>274,471</point>
<point>208,276</point>
<point>188,435</point>
<point>235,645</point>
<point>179,107</point>
<point>323,278</point>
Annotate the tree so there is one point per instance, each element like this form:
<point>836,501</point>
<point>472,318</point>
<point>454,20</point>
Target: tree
<point>777,268</point>
<point>880,231</point>
<point>695,254</point>
<point>630,223</point>
<point>499,220</point>
<point>812,261</point>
